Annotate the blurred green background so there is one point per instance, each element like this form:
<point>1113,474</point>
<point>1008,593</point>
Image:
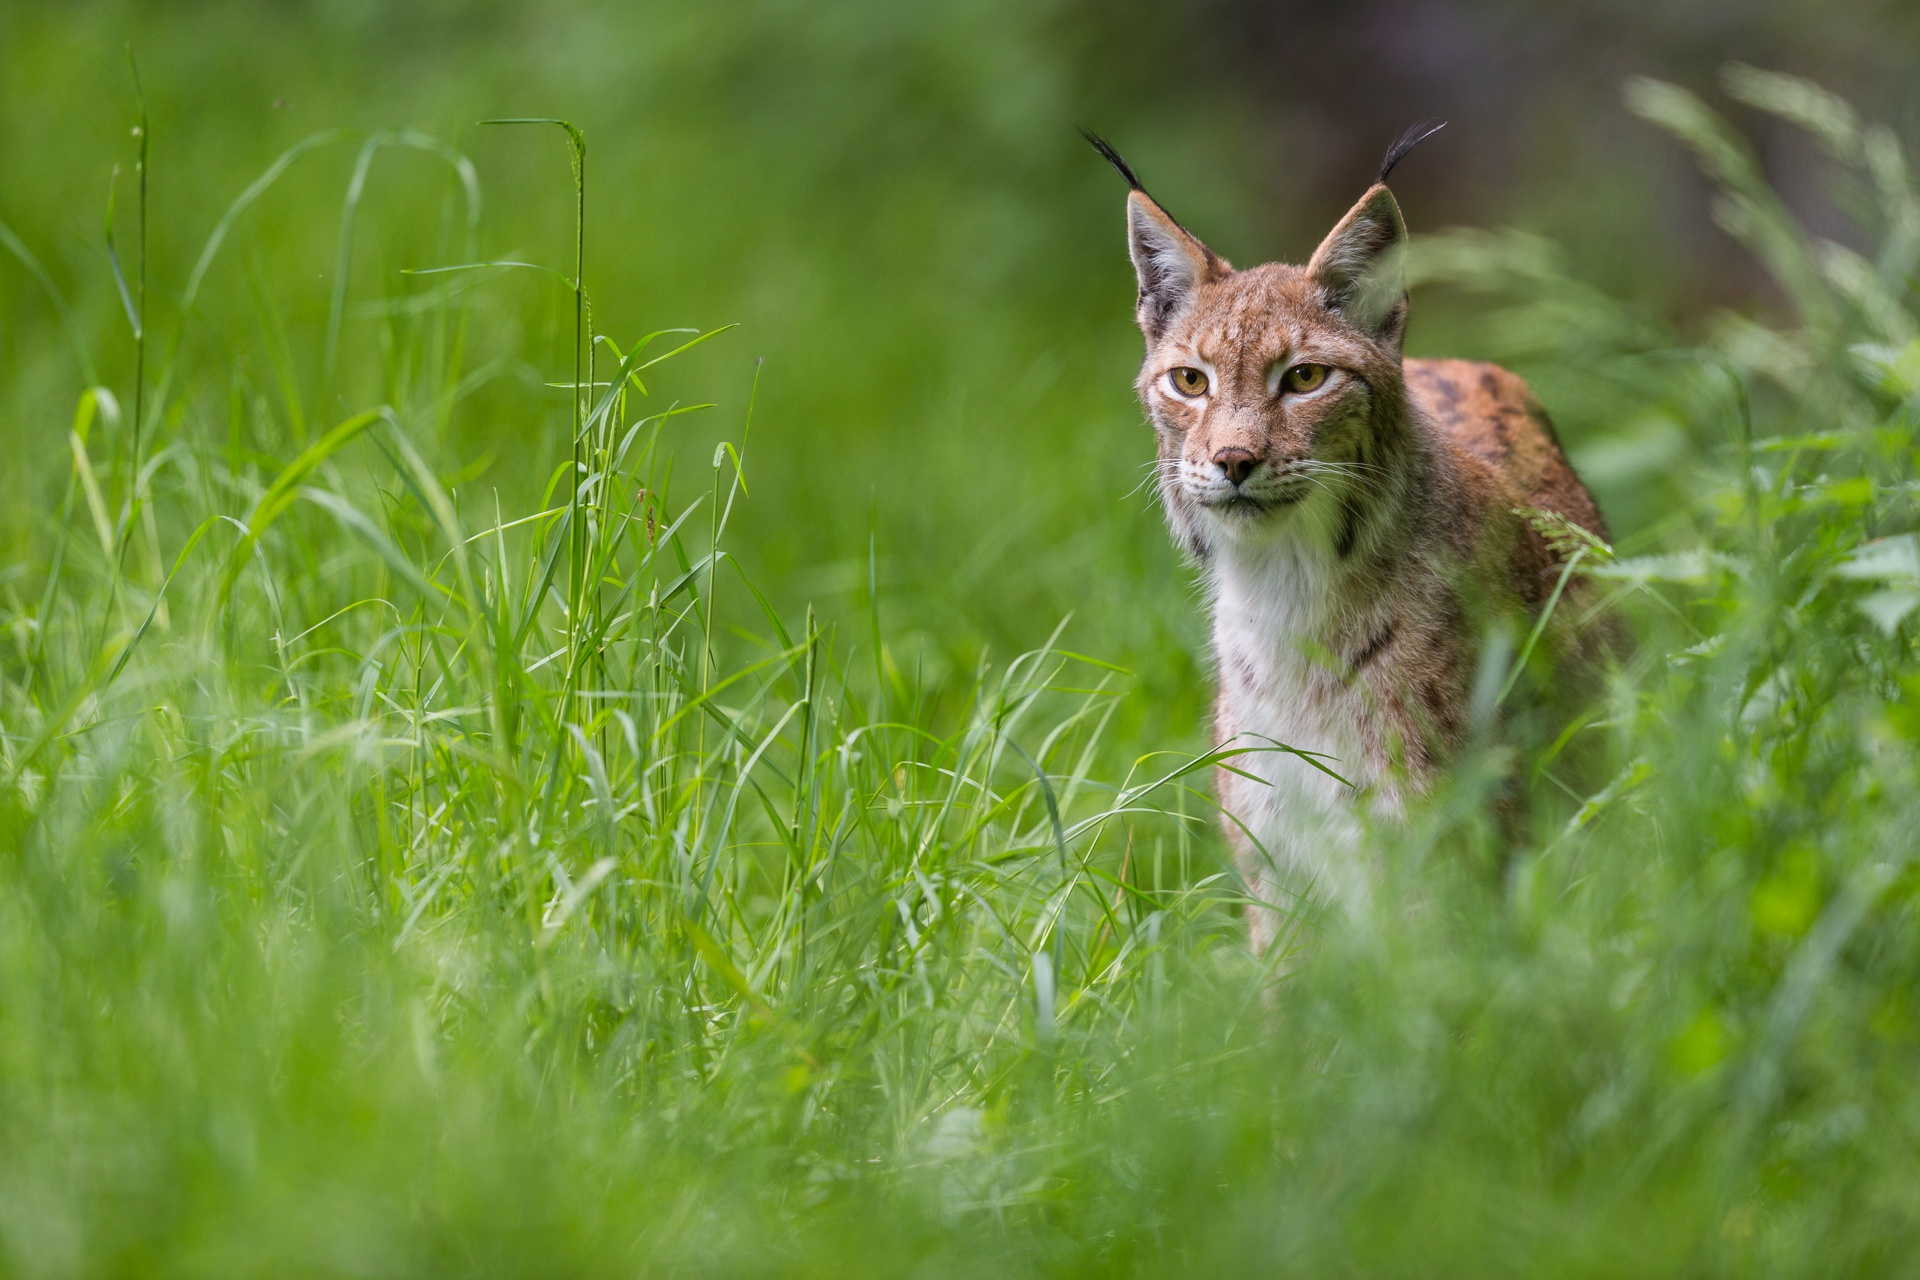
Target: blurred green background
<point>892,203</point>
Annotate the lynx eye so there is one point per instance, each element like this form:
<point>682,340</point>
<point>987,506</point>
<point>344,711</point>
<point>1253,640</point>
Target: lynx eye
<point>1304,377</point>
<point>1188,382</point>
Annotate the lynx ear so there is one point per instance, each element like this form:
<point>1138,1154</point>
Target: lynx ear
<point>1360,267</point>
<point>1169,262</point>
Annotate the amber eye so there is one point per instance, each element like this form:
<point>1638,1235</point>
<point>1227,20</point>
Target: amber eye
<point>1304,377</point>
<point>1188,382</point>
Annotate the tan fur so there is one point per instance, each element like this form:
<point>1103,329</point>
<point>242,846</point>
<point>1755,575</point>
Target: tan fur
<point>1357,541</point>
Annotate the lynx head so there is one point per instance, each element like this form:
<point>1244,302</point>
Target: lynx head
<point>1275,390</point>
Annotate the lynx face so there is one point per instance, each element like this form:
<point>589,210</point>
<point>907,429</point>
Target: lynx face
<point>1266,386</point>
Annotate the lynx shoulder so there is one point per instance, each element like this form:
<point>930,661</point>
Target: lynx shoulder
<point>1356,516</point>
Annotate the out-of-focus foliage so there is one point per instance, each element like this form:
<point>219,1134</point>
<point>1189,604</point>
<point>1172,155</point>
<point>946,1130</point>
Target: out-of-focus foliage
<point>893,203</point>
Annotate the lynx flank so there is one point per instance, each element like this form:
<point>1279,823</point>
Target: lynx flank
<point>1353,513</point>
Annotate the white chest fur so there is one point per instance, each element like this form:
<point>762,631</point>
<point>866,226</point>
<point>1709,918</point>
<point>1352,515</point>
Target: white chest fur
<point>1276,612</point>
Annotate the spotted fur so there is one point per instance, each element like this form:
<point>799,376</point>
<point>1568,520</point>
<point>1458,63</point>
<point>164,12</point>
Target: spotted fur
<point>1356,540</point>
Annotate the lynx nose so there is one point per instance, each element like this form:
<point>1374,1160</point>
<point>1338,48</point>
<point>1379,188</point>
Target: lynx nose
<point>1235,464</point>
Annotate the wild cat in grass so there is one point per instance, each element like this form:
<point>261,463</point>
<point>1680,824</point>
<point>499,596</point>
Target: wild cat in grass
<point>1358,519</point>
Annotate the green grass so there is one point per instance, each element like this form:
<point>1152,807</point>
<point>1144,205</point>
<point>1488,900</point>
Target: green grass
<point>433,843</point>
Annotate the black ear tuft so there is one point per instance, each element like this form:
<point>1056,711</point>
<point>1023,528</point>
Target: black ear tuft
<point>1113,158</point>
<point>1407,141</point>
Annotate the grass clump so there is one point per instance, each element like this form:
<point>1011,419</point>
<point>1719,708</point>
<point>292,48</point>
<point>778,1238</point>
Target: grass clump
<point>346,806</point>
<point>400,881</point>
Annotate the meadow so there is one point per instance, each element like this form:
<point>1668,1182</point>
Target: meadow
<point>506,770</point>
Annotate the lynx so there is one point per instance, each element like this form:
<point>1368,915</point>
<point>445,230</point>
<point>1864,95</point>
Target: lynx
<point>1357,518</point>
